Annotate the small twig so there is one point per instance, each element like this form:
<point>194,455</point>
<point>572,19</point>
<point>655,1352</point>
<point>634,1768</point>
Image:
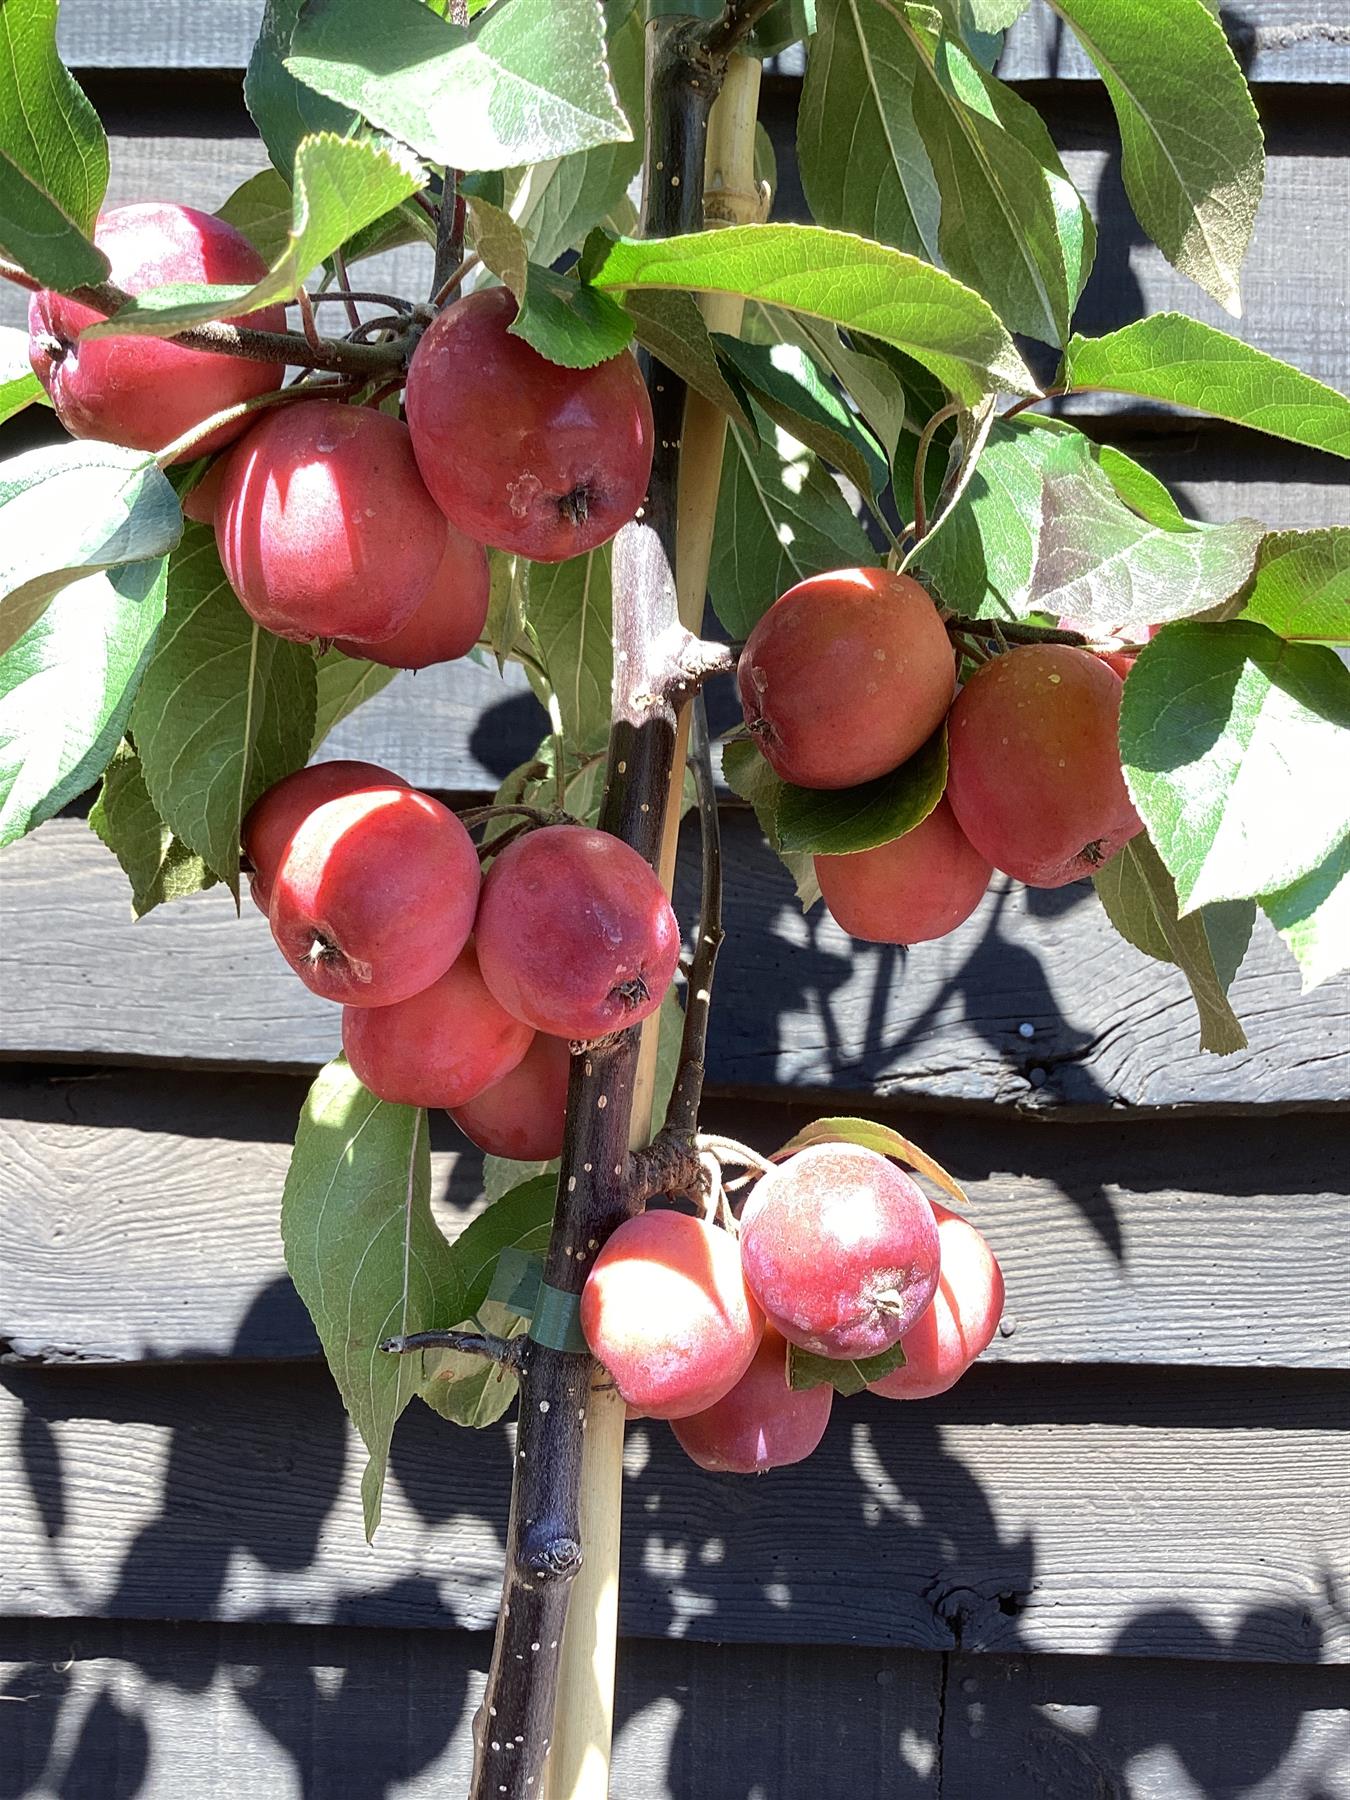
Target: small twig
<point>926,436</point>
<point>506,1351</point>
<point>368,297</point>
<point>449,234</point>
<point>731,1150</point>
<point>453,280</point>
<point>335,390</point>
<point>1051,393</point>
<point>480,815</point>
<point>345,293</point>
<point>1012,632</point>
<point>20,277</point>
<point>735,24</point>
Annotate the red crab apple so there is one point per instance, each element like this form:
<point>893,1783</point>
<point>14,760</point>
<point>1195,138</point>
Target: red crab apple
<point>270,823</point>
<point>519,452</point>
<point>840,1248</point>
<point>845,676</point>
<point>374,897</point>
<point>438,1048</point>
<point>324,526</point>
<point>449,621</point>
<point>917,887</point>
<point>762,1423</point>
<point>960,1323</point>
<point>145,391</point>
<point>575,933</point>
<point>523,1115</point>
<point>1034,777</point>
<point>666,1311</point>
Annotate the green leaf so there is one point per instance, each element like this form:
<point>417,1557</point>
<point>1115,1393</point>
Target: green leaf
<point>19,386</point>
<point>1191,155</point>
<point>746,773</point>
<point>568,606</point>
<point>224,710</point>
<point>506,604</point>
<point>565,320</point>
<point>525,83</point>
<point>1041,529</point>
<point>1236,749</point>
<point>994,15</point>
<point>1312,915</point>
<point>1184,363</point>
<point>1012,224</point>
<point>66,688</point>
<point>364,1252</point>
<point>1301,588</point>
<point>557,202</point>
<point>158,865</point>
<point>1140,899</point>
<point>283,109</point>
<point>863,164</point>
<point>341,185</point>
<point>53,154</point>
<point>468,1389</point>
<point>886,1142</point>
<point>69,509</point>
<point>839,821</point>
<point>874,387</point>
<point>262,208</point>
<point>780,518</point>
<point>845,280</point>
<point>791,390</point>
<point>846,1375</point>
<point>1142,492</point>
<point>672,327</point>
<point>341,684</point>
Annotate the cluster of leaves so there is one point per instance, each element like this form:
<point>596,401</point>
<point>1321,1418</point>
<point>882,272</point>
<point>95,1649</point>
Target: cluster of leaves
<point>949,226</point>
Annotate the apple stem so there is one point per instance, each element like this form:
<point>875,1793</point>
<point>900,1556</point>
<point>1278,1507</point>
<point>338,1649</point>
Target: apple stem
<point>984,631</point>
<point>506,1351</point>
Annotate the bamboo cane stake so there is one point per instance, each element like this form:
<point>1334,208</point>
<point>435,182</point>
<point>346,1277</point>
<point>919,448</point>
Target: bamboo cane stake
<point>578,1764</point>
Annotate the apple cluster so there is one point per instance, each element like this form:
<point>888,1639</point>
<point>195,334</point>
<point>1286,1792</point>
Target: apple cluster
<point>849,673</point>
<point>340,523</point>
<point>839,1253</point>
<point>457,990</point>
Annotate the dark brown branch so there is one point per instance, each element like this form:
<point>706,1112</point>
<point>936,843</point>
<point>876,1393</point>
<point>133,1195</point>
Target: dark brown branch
<point>990,630</point>
<point>266,346</point>
<point>449,238</point>
<point>687,1094</point>
<point>506,1351</point>
<point>596,1190</point>
<point>735,24</point>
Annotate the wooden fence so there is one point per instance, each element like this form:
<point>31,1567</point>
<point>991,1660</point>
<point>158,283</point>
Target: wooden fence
<point>1114,1562</point>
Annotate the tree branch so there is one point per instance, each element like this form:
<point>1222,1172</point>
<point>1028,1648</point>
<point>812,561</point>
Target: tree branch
<point>596,1189</point>
<point>735,24</point>
<point>506,1351</point>
<point>990,630</point>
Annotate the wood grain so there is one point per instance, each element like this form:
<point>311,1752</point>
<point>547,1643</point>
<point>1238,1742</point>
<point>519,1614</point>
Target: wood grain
<point>241,1710</point>
<point>1293,41</point>
<point>138,1223</point>
<point>1011,1515</point>
<point>800,1006</point>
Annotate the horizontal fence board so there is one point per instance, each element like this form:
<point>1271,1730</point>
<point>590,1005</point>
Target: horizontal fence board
<point>237,1712</point>
<point>1276,41</point>
<point>201,157</point>
<point>800,1005</point>
<point>1008,1515</point>
<point>1059,1728</point>
<point>139,1216</point>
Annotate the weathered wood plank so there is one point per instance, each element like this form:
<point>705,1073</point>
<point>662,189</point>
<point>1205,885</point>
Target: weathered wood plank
<point>1139,1730</point>
<point>198,160</point>
<point>1289,41</point>
<point>273,1712</point>
<point>800,1005</point>
<point>1005,1516</point>
<point>138,1222</point>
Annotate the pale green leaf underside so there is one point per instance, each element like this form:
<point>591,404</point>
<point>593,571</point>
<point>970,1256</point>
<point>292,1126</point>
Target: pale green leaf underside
<point>1312,915</point>
<point>1236,749</point>
<point>527,82</point>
